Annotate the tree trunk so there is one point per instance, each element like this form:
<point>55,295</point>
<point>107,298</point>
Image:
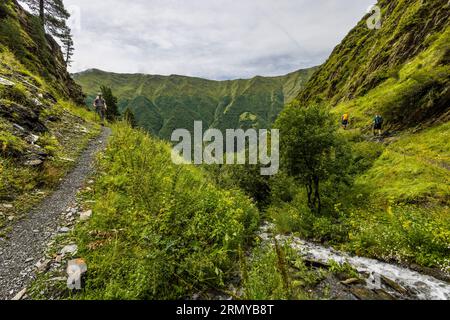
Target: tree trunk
<point>309,191</point>
<point>42,12</point>
<point>317,199</point>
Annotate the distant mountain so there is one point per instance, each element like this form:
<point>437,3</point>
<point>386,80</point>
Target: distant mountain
<point>164,103</point>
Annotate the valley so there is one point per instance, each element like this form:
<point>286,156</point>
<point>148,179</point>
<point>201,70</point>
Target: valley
<point>162,104</point>
<point>354,212</point>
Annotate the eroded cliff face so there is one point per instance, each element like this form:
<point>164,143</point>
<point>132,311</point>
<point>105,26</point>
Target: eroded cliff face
<point>39,53</point>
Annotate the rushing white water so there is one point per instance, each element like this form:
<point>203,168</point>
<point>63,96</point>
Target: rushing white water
<point>423,286</point>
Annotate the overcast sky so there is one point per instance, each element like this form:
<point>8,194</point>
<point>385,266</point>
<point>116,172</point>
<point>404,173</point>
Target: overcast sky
<point>215,39</point>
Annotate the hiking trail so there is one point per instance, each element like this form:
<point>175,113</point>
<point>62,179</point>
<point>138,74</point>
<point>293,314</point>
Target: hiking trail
<point>30,237</point>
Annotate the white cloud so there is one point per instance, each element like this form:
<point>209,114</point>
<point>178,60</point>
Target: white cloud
<point>216,39</point>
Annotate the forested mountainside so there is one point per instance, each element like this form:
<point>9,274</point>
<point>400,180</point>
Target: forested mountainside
<point>164,103</point>
<point>400,70</point>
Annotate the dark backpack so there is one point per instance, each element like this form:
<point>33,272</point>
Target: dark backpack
<point>378,120</point>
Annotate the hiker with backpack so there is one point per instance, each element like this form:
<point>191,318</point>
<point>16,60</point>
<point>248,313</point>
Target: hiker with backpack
<point>345,121</point>
<point>378,124</point>
<point>100,106</point>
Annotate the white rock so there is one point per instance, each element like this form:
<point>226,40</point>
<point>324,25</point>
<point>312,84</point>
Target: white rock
<point>64,230</point>
<point>42,266</point>
<point>32,138</point>
<point>6,82</point>
<point>75,270</point>
<point>20,295</point>
<point>86,215</point>
<point>70,249</point>
<point>8,206</point>
<point>15,125</point>
<point>37,103</point>
<point>33,163</point>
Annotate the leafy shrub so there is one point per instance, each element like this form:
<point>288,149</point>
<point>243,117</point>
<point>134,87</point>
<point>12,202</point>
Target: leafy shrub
<point>283,188</point>
<point>247,178</point>
<point>404,234</point>
<point>345,269</point>
<point>159,230</point>
<point>264,280</point>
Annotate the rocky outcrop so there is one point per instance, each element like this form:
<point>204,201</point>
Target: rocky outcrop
<point>38,52</point>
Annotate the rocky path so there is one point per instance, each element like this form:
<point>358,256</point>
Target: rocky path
<point>29,238</point>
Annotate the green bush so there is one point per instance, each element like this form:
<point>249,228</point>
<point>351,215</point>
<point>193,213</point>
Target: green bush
<point>11,37</point>
<point>159,231</point>
<point>49,143</point>
<point>247,178</point>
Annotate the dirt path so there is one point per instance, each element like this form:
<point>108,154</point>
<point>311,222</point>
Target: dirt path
<point>29,237</point>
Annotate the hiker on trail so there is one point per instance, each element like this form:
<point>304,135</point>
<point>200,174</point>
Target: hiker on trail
<point>345,121</point>
<point>100,106</point>
<point>378,124</point>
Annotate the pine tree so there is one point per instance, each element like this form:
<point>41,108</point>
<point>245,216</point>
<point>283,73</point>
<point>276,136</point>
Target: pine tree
<point>68,48</point>
<point>111,102</point>
<point>53,15</point>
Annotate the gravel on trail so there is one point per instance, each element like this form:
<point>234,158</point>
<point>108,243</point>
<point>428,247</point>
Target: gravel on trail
<point>29,237</point>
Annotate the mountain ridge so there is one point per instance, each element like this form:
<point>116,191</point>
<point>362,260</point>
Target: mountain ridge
<point>165,103</point>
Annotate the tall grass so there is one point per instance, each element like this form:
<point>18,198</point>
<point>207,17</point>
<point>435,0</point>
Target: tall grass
<point>159,231</point>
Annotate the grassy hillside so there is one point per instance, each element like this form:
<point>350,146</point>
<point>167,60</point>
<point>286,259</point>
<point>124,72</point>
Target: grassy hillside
<point>158,231</point>
<point>42,131</point>
<point>401,69</point>
<point>39,53</point>
<point>162,104</point>
<point>398,206</point>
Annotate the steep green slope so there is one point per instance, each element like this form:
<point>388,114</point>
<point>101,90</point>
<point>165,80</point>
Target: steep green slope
<point>165,103</point>
<point>39,53</point>
<point>42,131</point>
<point>403,68</point>
<point>398,207</point>
<point>402,71</point>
